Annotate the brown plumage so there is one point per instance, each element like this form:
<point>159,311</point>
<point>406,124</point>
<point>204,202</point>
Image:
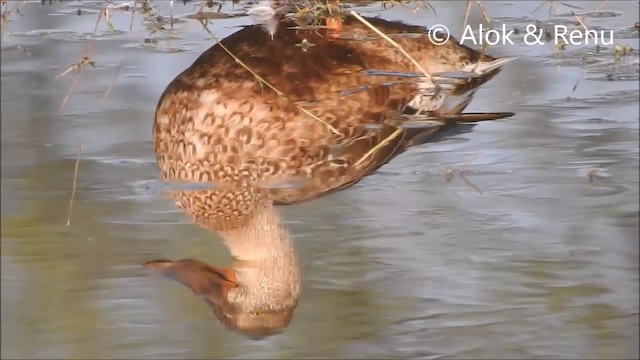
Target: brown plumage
<point>218,121</point>
<point>216,124</point>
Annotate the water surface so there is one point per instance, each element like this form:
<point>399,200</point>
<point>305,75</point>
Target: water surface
<point>535,255</point>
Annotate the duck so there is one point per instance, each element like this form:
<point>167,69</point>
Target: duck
<point>281,115</point>
<point>259,292</point>
<point>305,111</point>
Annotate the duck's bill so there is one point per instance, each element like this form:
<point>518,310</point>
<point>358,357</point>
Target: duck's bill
<point>203,279</point>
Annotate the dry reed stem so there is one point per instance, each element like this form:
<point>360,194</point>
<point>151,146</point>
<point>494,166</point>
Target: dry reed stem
<point>584,71</point>
<point>84,60</point>
<point>382,143</point>
<point>600,5</point>
<point>202,5</point>
<point>113,81</point>
<point>107,18</point>
<point>73,189</point>
<point>466,16</point>
<point>484,48</point>
<point>5,17</point>
<point>278,92</point>
<point>552,3</point>
<point>470,184</point>
<point>541,5</point>
<point>450,174</point>
<point>485,17</point>
<point>583,25</point>
<point>71,88</point>
<point>484,14</point>
<point>464,178</point>
<point>397,46</point>
<point>466,163</point>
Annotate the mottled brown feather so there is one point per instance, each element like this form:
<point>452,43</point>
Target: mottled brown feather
<point>216,124</point>
<point>217,121</point>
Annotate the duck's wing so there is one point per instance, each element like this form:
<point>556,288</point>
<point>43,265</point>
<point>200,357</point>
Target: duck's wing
<point>346,163</point>
<point>315,110</point>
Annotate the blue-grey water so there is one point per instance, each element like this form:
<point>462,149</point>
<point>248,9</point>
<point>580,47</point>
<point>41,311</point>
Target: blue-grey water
<point>533,254</point>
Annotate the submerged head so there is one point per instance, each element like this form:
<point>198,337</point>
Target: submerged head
<point>261,307</point>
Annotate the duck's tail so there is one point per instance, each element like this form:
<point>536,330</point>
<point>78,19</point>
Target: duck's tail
<point>443,126</point>
<point>484,67</point>
<point>476,117</point>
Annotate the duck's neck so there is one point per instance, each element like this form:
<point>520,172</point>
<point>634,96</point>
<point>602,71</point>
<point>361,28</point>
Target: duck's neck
<point>262,238</point>
<point>265,260</point>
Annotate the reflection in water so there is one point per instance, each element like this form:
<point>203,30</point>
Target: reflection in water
<point>351,103</point>
<point>258,294</point>
<point>543,264</point>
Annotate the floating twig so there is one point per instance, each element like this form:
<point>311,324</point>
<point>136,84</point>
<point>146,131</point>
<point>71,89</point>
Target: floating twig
<point>449,173</point>
<point>78,66</point>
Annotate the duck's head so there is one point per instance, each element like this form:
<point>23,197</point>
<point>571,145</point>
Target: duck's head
<point>257,309</point>
<point>258,293</point>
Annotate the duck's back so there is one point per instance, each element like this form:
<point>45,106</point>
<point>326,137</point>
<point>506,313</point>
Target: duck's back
<point>306,105</point>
